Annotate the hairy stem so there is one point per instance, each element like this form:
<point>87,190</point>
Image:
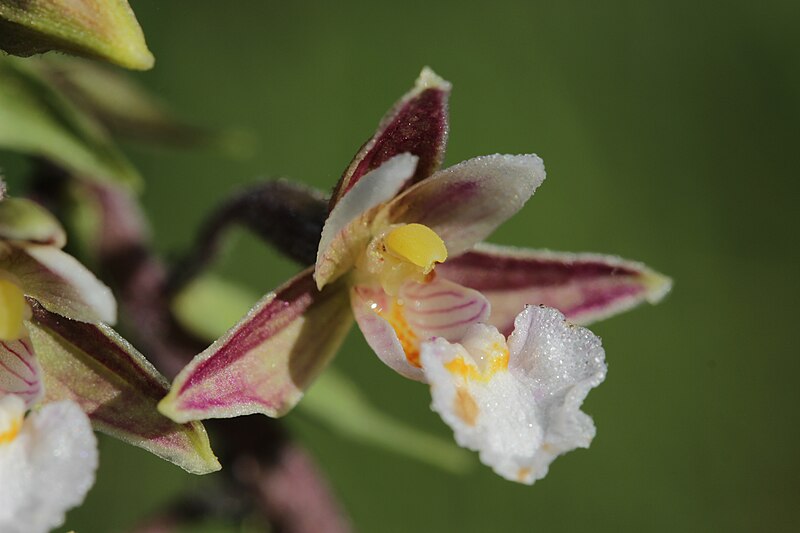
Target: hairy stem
<point>286,215</point>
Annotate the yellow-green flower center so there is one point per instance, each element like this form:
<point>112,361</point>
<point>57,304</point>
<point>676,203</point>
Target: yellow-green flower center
<point>417,244</point>
<point>407,252</point>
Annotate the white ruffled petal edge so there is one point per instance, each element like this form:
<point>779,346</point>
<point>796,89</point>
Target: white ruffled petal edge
<point>47,469</point>
<point>521,417</point>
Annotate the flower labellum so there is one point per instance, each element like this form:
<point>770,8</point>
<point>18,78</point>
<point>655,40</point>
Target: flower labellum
<point>517,403</point>
<point>47,464</point>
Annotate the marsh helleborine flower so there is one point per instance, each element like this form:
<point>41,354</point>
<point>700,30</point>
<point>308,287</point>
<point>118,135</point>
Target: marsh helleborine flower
<point>400,251</point>
<point>55,344</point>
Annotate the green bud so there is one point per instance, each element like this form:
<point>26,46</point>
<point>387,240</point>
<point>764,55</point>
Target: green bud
<point>105,29</point>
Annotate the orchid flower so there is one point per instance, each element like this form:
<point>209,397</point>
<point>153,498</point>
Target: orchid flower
<point>55,344</point>
<point>400,251</point>
<point>47,463</point>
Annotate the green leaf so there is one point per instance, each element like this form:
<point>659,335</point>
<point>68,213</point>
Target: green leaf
<point>333,399</point>
<point>116,386</point>
<point>104,29</point>
<point>36,120</point>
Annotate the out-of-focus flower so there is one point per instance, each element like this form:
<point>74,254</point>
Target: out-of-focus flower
<point>105,29</point>
<point>33,265</point>
<point>47,464</point>
<point>393,219</point>
<point>55,343</point>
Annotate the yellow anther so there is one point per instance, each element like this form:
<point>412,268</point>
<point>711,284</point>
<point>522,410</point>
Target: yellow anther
<point>13,310</point>
<point>12,412</point>
<point>417,244</point>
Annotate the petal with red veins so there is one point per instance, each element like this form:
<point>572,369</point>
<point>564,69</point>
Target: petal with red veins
<point>585,287</point>
<point>463,204</point>
<point>116,386</point>
<point>395,326</point>
<point>60,283</point>
<point>265,362</point>
<point>347,230</point>
<point>417,124</point>
<point>20,373</point>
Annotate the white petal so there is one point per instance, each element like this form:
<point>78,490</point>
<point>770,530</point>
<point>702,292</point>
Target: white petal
<point>345,234</point>
<point>465,203</point>
<point>47,469</point>
<point>61,283</point>
<point>521,418</point>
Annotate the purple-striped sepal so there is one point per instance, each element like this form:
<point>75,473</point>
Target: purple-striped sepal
<point>585,287</point>
<point>265,362</point>
<point>416,124</point>
<point>115,386</point>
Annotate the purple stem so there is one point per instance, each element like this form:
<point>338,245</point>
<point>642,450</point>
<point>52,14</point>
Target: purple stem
<point>286,215</point>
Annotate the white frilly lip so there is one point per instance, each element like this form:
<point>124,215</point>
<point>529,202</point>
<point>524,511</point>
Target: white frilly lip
<point>521,418</point>
<point>47,468</point>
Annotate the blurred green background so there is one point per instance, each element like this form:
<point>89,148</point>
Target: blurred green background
<point>668,130</point>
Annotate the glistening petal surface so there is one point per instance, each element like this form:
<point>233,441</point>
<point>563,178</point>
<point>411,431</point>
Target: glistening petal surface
<point>585,287</point>
<point>116,386</point>
<point>521,416</point>
<point>265,362</point>
<point>464,204</point>
<point>54,459</point>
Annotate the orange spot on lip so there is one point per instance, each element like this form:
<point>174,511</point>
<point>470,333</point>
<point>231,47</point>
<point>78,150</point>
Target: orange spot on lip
<point>523,474</point>
<point>408,339</point>
<point>11,433</point>
<point>466,407</point>
<point>497,360</point>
